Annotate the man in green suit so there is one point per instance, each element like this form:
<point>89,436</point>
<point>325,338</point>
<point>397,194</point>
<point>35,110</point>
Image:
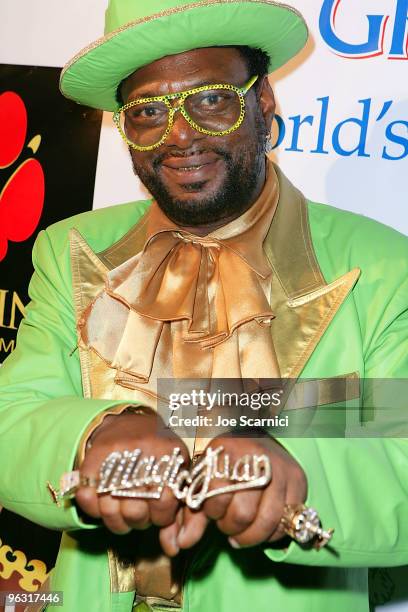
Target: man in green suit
<point>227,272</point>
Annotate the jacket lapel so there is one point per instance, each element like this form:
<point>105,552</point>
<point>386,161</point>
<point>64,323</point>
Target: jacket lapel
<point>88,280</point>
<point>303,303</point>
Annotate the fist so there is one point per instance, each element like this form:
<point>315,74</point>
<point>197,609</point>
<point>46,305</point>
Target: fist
<point>247,517</point>
<point>117,433</point>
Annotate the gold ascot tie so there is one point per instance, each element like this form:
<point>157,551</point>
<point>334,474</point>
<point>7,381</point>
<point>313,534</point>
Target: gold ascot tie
<point>189,306</point>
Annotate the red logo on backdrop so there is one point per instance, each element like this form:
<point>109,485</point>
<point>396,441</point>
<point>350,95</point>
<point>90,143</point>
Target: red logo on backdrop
<point>22,197</point>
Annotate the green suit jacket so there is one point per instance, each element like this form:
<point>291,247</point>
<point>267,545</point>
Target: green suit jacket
<point>340,295</point>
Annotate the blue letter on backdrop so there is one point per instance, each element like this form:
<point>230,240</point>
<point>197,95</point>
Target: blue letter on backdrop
<point>371,46</point>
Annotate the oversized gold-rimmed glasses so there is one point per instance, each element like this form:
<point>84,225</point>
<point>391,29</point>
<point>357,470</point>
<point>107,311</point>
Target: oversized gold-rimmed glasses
<point>217,110</point>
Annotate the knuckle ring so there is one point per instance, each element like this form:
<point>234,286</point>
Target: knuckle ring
<point>126,474</point>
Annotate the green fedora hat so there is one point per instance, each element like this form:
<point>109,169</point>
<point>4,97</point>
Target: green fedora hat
<point>138,32</point>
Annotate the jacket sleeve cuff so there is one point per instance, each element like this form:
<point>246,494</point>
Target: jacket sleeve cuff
<point>353,501</point>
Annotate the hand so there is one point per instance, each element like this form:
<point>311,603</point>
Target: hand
<point>117,433</point>
<point>247,517</point>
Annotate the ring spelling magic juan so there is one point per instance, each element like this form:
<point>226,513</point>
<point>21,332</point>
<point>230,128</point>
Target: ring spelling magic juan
<point>128,474</point>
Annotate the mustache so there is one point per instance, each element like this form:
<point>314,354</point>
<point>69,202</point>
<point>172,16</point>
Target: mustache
<point>161,157</point>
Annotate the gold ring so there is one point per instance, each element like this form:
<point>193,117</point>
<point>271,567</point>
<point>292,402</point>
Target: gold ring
<point>304,526</point>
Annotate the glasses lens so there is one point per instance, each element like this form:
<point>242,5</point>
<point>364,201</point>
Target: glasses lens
<point>145,123</point>
<point>214,109</point>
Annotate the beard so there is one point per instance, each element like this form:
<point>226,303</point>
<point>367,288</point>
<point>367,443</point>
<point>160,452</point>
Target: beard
<point>233,197</point>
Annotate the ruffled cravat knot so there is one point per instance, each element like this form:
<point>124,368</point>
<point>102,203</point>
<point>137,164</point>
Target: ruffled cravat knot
<point>206,241</point>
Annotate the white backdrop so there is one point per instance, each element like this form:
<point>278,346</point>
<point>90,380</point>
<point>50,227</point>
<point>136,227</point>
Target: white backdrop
<point>343,116</point>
